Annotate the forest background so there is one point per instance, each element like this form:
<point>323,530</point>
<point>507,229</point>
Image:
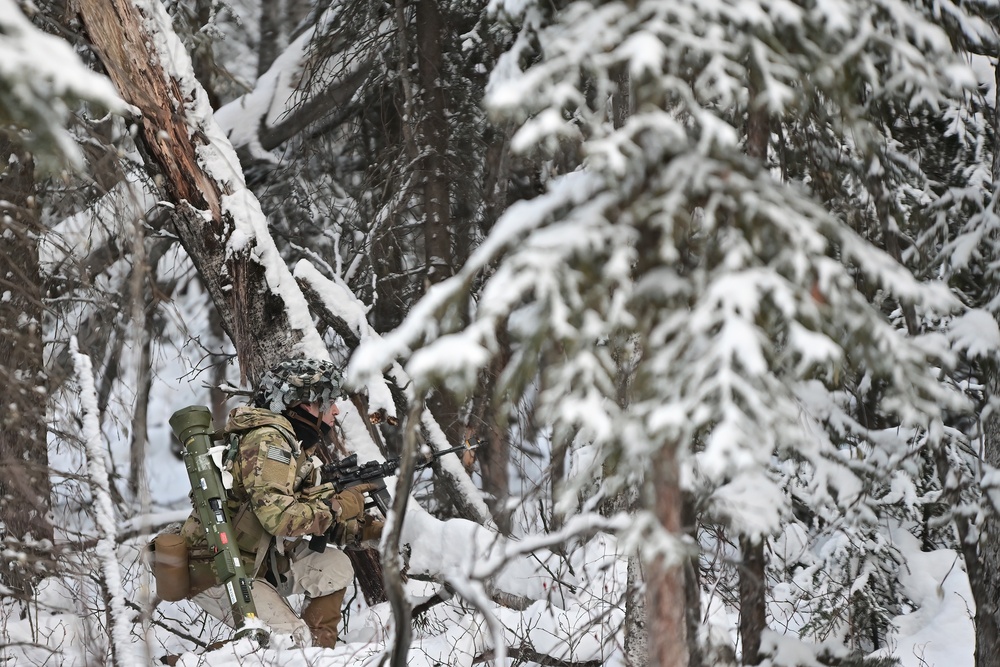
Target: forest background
<point>715,284</point>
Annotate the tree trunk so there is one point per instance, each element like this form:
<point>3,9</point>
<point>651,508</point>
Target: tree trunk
<point>24,470</point>
<point>983,563</point>
<point>270,34</point>
<point>402,610</point>
<point>432,138</point>
<point>984,572</point>
<point>138,450</point>
<point>636,641</point>
<point>202,54</point>
<point>295,12</point>
<point>494,450</point>
<point>984,577</point>
<point>692,585</point>
<point>753,603</point>
<point>666,594</point>
<point>218,398</point>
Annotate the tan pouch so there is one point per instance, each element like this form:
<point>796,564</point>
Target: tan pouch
<point>170,567</point>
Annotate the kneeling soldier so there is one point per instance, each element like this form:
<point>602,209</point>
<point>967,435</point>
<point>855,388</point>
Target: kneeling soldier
<point>273,512</point>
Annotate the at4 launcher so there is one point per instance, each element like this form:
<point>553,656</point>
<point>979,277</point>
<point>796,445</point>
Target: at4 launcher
<point>193,427</point>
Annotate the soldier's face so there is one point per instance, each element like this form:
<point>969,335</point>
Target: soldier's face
<point>327,417</point>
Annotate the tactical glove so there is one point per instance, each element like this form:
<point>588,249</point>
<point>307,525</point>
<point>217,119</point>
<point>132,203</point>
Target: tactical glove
<point>371,531</point>
<point>361,533</point>
<point>347,533</point>
<point>347,505</point>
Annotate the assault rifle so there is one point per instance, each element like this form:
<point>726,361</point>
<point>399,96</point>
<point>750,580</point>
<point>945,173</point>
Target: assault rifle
<point>347,473</point>
<point>193,427</point>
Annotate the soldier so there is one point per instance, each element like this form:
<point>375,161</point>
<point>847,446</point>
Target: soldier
<point>276,508</point>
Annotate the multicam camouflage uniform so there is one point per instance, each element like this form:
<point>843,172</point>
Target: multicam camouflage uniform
<point>263,500</point>
<point>275,509</point>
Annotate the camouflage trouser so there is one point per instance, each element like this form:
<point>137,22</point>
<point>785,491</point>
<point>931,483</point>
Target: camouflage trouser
<point>311,573</point>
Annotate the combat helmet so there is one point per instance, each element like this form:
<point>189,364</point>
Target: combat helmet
<point>298,380</point>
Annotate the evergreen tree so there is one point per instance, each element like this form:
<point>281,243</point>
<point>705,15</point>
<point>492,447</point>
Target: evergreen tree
<point>756,319</point>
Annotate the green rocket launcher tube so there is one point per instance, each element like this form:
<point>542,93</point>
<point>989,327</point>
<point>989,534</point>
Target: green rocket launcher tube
<point>193,427</point>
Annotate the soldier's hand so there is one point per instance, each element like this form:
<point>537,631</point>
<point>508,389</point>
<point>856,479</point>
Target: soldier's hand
<point>371,531</point>
<point>347,537</point>
<point>348,504</point>
<point>360,533</point>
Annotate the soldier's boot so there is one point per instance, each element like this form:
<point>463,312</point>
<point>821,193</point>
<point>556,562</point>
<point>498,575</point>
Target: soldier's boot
<point>322,615</point>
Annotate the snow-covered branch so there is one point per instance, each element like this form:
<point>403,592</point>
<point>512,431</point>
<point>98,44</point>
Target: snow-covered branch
<point>123,646</point>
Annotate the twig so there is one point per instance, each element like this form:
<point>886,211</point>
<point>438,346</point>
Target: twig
<point>528,654</point>
<point>183,635</point>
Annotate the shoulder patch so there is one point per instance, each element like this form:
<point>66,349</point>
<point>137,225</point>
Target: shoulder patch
<point>279,454</point>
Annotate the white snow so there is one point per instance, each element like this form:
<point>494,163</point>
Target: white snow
<point>976,333</point>
<point>42,72</point>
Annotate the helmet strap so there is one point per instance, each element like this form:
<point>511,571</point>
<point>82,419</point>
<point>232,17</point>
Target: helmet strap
<point>309,428</point>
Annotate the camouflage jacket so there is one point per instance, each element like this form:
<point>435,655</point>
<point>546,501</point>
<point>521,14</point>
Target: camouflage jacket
<point>264,500</point>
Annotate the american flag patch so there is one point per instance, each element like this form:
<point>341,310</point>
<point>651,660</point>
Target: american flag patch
<point>278,454</point>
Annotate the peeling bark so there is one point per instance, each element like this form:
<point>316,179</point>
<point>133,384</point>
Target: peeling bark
<point>173,137</point>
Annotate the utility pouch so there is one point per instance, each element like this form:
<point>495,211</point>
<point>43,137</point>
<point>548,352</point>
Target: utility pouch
<point>170,566</point>
<point>201,570</point>
<point>248,529</point>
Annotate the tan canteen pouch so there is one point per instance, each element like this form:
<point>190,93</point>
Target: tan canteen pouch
<point>170,567</point>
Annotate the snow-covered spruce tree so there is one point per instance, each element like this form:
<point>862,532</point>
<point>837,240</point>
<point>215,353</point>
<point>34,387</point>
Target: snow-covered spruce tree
<point>925,191</point>
<point>961,239</point>
<point>875,137</point>
<point>736,292</point>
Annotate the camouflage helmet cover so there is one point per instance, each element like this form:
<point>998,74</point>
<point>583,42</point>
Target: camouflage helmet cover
<point>298,381</point>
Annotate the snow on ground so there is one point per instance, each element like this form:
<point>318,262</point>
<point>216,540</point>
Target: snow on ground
<point>70,628</point>
<point>940,631</point>
<point>450,633</point>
